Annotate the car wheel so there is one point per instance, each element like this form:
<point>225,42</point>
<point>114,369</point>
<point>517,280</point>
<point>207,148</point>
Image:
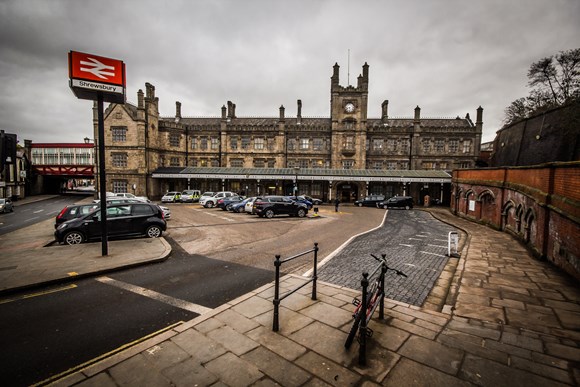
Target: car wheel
<point>74,238</point>
<point>360,204</point>
<point>301,213</point>
<point>385,206</point>
<point>210,204</point>
<point>269,214</point>
<point>228,207</point>
<point>153,232</point>
<point>407,207</point>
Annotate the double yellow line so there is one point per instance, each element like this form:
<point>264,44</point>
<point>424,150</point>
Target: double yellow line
<point>31,295</point>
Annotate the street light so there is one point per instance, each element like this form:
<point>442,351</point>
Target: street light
<point>296,170</point>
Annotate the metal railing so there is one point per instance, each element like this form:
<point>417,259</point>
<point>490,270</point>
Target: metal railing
<point>277,299</point>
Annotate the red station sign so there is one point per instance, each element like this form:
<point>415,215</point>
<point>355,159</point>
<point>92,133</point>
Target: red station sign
<point>91,75</point>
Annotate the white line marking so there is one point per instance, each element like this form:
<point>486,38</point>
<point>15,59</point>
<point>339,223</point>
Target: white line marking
<point>415,239</point>
<point>400,244</point>
<point>199,309</point>
<point>423,236</point>
<point>437,246</point>
<point>36,212</point>
<point>426,252</point>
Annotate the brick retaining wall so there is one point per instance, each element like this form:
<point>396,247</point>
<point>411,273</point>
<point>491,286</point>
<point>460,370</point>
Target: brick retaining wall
<point>539,205</point>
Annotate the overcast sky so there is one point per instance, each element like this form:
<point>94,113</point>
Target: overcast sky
<point>446,56</point>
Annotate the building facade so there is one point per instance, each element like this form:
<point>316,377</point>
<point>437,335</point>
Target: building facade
<point>155,154</point>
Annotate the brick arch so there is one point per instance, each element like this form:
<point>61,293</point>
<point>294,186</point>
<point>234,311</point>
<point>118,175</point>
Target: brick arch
<point>508,217</point>
<point>530,226</point>
<point>488,207</point>
<point>519,215</point>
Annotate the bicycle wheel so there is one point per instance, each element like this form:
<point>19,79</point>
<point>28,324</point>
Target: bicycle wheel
<point>354,328</point>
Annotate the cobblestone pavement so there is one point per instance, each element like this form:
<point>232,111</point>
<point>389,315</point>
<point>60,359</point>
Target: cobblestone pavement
<point>413,241</point>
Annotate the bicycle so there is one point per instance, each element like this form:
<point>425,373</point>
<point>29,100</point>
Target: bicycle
<point>373,297</point>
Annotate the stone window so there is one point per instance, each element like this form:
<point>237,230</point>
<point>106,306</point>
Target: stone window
<point>119,186</point>
<point>193,163</point>
<point>174,139</point>
<point>271,143</point>
<point>304,144</point>
<point>348,143</point>
<point>291,144</point>
<point>426,146</point>
<point>378,165</point>
<point>174,162</point>
<point>378,144</point>
<point>453,146</point>
<point>391,165</point>
<point>203,163</point>
<point>429,165</point>
<point>215,163</point>
<point>237,163</point>
<point>347,164</point>
<point>259,163</point>
<point>162,161</point>
<point>245,142</point>
<point>465,164</point>
<point>271,163</point>
<point>259,143</point>
<point>466,146</point>
<point>302,163</point>
<point>119,133</point>
<point>404,164</point>
<point>443,166</point>
<point>194,144</point>
<point>203,143</point>
<point>391,145</point>
<point>439,146</point>
<point>215,143</point>
<point>405,145</point>
<point>233,143</point>
<point>318,144</point>
<point>119,160</point>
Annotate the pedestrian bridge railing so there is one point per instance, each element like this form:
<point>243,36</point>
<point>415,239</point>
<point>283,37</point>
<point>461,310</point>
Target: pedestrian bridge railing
<point>277,299</point>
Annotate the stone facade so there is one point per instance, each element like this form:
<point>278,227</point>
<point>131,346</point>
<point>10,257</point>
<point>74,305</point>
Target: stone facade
<point>138,141</point>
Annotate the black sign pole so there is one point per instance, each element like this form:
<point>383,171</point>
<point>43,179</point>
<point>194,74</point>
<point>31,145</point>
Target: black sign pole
<point>102,177</point>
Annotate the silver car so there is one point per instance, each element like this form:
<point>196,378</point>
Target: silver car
<point>6,205</point>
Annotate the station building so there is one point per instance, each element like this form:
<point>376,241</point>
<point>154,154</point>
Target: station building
<point>346,155</point>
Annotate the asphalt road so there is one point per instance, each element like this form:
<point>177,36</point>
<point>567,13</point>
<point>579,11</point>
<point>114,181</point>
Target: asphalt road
<point>56,329</point>
<point>30,213</point>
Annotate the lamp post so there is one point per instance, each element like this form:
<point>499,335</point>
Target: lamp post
<point>296,170</point>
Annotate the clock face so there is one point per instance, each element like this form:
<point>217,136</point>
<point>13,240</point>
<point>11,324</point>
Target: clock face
<point>349,107</point>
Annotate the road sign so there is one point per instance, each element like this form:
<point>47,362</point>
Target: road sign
<point>92,75</point>
<point>453,244</point>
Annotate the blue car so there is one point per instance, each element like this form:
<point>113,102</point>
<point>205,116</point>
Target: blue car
<point>239,207</point>
<point>301,199</point>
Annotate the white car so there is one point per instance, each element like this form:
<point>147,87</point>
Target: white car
<point>209,202</point>
<point>249,207</point>
<point>190,196</point>
<point>171,197</point>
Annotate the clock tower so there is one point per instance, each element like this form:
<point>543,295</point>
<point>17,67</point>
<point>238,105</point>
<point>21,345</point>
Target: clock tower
<point>348,113</point>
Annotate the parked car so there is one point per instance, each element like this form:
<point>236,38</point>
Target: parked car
<point>226,203</point>
<point>122,220</point>
<point>209,202</point>
<point>405,202</point>
<point>171,197</point>
<point>301,199</point>
<point>314,201</point>
<point>249,207</point>
<point>190,196</point>
<point>128,195</point>
<point>239,207</point>
<point>370,201</point>
<point>270,206</point>
<point>74,211</point>
<point>6,205</point>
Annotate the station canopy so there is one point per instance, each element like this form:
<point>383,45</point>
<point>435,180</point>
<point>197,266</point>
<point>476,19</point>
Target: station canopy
<point>330,175</point>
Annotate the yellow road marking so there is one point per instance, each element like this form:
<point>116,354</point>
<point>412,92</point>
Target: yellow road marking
<point>68,287</point>
<point>104,356</point>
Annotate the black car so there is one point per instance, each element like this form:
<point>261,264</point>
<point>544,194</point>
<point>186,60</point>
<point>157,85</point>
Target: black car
<point>73,212</point>
<point>226,203</point>
<point>405,202</point>
<point>370,201</point>
<point>122,220</point>
<point>270,206</point>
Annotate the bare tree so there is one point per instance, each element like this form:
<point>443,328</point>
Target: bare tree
<point>555,81</point>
